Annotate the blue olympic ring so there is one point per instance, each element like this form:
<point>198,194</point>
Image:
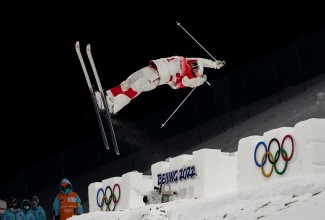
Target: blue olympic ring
<point>264,161</point>
<point>100,190</point>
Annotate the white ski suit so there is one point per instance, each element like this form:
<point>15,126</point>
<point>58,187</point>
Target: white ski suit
<point>174,71</point>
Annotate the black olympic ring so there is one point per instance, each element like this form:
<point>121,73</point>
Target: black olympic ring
<point>108,199</point>
<point>269,155</point>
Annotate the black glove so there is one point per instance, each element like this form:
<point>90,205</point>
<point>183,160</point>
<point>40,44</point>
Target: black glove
<point>57,217</point>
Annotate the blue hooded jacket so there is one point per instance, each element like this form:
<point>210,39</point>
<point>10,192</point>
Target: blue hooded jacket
<point>38,212</point>
<point>56,203</point>
<point>10,215</point>
<point>29,216</point>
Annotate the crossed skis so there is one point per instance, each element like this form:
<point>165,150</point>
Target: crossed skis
<point>99,115</point>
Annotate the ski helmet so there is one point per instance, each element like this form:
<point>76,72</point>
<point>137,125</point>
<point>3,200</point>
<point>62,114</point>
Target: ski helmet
<point>196,68</point>
<point>34,201</point>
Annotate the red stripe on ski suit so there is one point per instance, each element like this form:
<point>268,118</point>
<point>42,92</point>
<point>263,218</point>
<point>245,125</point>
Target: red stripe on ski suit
<point>118,90</point>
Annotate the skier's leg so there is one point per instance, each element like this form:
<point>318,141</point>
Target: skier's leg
<point>118,102</point>
<point>143,80</point>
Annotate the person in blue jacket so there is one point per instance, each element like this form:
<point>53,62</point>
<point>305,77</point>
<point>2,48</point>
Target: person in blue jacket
<point>67,202</point>
<point>25,206</point>
<point>36,209</point>
<point>13,212</point>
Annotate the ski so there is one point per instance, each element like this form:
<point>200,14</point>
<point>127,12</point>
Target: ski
<point>93,98</point>
<point>107,113</point>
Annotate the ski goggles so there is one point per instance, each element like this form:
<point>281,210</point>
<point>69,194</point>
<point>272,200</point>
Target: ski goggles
<point>65,186</point>
<point>196,69</point>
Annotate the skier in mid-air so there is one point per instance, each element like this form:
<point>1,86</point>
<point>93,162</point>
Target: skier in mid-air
<point>176,71</point>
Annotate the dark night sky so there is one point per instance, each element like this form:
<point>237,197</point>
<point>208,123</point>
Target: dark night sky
<point>47,106</point>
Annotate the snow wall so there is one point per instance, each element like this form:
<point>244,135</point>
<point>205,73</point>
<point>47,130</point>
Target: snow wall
<point>279,153</point>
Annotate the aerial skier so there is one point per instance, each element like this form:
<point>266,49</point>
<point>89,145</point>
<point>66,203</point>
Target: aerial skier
<point>175,71</point>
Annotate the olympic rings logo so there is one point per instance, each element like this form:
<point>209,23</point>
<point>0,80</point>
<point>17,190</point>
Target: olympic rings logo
<point>107,200</point>
<point>274,160</point>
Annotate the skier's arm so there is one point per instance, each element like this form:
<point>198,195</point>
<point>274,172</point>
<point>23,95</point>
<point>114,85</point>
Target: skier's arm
<point>194,82</point>
<point>209,63</point>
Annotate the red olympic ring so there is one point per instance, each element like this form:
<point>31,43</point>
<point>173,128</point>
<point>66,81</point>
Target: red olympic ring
<point>119,193</point>
<point>293,147</point>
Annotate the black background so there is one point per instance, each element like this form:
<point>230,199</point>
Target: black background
<point>46,103</point>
